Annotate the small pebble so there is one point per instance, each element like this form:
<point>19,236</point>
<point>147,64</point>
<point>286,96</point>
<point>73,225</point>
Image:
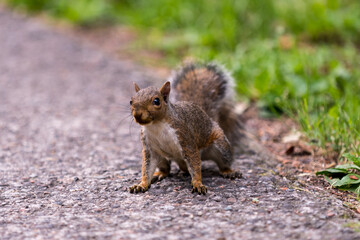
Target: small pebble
<point>228,208</point>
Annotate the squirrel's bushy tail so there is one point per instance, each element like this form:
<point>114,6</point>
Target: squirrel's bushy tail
<point>205,84</point>
<point>211,87</point>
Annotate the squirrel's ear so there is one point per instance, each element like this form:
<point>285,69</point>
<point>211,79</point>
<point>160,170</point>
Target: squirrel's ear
<point>165,91</point>
<point>136,87</point>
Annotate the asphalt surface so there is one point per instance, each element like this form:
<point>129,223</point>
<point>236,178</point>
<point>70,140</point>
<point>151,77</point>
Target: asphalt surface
<point>69,152</point>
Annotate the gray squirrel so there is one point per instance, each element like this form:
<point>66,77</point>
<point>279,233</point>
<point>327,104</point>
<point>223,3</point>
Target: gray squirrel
<point>199,124</point>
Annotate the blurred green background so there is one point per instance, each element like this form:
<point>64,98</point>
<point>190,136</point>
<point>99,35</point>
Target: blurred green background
<point>293,57</point>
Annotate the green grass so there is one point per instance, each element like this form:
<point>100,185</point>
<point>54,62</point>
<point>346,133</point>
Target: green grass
<point>295,57</point>
<point>318,86</point>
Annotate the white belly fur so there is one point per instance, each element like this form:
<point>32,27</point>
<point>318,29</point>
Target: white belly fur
<point>163,140</point>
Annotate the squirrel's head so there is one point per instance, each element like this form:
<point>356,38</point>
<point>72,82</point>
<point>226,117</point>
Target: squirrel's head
<point>150,104</point>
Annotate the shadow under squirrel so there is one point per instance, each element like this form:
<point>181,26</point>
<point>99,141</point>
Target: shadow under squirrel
<point>197,123</point>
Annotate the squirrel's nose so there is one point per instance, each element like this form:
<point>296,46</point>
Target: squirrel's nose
<point>138,116</point>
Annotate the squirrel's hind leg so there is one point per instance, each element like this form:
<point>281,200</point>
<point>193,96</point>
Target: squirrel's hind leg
<point>193,162</point>
<point>164,166</point>
<point>220,152</point>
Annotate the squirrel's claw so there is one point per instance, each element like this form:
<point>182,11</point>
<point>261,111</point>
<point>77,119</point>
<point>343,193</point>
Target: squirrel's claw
<point>137,188</point>
<point>199,188</point>
<point>231,174</point>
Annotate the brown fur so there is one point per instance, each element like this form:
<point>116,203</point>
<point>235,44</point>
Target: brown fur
<point>190,126</point>
<point>209,86</point>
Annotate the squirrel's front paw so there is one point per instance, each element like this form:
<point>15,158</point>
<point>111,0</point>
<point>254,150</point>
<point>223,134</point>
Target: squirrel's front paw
<point>198,187</point>
<point>139,188</point>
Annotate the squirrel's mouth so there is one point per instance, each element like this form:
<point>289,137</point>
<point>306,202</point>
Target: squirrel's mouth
<point>143,122</point>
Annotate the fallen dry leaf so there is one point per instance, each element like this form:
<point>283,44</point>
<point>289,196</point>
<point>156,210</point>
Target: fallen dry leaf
<point>353,177</point>
<point>299,149</point>
<point>292,137</point>
<point>358,209</point>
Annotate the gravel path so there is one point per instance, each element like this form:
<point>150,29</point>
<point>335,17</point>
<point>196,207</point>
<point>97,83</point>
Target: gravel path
<point>68,153</point>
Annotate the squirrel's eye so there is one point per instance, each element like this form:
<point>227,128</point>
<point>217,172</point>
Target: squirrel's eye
<point>130,102</point>
<point>156,101</point>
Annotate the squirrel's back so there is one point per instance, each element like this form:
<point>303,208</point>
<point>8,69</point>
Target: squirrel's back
<point>211,87</point>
